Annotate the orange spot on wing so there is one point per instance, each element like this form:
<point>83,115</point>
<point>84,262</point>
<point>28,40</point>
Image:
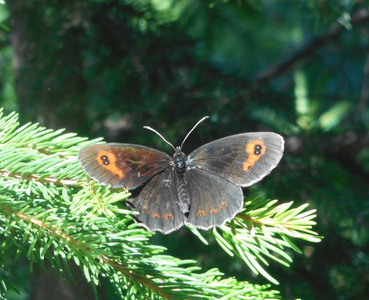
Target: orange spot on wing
<point>168,217</point>
<point>156,216</point>
<point>223,205</point>
<point>108,161</point>
<point>252,149</point>
<point>145,209</point>
<point>200,213</point>
<point>213,211</point>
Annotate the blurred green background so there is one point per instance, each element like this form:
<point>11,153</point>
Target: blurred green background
<point>300,68</point>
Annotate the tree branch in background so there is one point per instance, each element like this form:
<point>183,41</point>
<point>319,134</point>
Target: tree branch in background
<point>359,18</point>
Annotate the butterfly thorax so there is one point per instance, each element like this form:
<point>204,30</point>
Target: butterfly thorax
<point>179,161</point>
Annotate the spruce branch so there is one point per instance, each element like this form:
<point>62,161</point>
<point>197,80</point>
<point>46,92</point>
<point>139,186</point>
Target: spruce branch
<point>50,212</point>
<point>261,231</point>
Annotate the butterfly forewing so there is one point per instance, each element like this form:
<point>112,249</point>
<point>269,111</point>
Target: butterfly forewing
<point>157,204</point>
<point>214,199</point>
<point>122,165</point>
<point>243,159</point>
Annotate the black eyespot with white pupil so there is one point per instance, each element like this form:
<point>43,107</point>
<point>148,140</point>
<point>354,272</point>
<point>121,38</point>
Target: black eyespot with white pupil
<point>257,149</point>
<point>105,160</point>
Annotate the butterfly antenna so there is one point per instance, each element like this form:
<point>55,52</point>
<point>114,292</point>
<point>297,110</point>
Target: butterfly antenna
<point>149,128</point>
<point>204,118</point>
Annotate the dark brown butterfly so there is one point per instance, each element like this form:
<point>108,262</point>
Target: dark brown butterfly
<point>202,189</point>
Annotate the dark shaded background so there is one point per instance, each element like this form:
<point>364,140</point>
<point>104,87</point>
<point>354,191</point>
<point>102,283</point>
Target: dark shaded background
<point>299,68</point>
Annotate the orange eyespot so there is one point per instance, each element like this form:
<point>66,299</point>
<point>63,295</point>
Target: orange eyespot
<point>255,149</point>
<point>145,209</point>
<point>156,216</point>
<point>200,213</point>
<point>168,217</point>
<point>108,160</point>
<point>223,205</point>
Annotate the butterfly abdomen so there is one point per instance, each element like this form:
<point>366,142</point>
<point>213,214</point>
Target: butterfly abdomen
<point>182,192</point>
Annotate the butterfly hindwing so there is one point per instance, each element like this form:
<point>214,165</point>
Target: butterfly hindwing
<point>214,200</point>
<point>243,159</point>
<point>157,204</point>
<point>122,165</point>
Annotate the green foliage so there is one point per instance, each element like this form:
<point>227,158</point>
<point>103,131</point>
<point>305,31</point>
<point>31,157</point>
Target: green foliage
<point>261,231</point>
<point>49,212</point>
<point>7,88</point>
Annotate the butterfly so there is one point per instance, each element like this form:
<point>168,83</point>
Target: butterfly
<point>202,189</point>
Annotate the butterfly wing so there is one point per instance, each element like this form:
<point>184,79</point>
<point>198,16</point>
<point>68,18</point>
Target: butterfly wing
<point>214,200</point>
<point>243,159</point>
<point>157,204</point>
<point>122,165</point>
